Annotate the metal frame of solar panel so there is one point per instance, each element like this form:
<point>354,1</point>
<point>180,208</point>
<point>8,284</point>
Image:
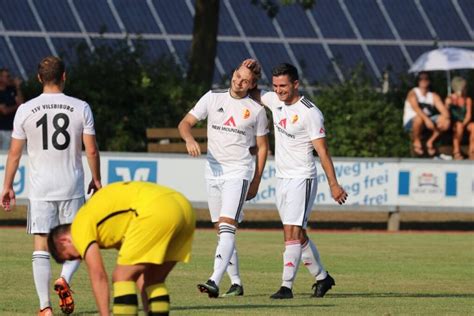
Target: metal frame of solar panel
<point>323,43</point>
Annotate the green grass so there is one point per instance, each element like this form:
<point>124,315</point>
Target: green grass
<point>376,274</point>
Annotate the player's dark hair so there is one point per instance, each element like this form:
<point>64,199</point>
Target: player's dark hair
<point>53,236</point>
<point>286,69</point>
<point>51,70</point>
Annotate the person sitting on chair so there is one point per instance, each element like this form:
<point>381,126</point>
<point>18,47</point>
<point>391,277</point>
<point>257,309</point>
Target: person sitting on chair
<point>424,109</point>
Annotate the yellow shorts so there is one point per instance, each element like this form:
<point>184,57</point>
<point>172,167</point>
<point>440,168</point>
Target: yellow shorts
<point>162,231</point>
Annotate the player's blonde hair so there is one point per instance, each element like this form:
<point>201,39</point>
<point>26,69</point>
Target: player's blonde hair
<point>256,70</point>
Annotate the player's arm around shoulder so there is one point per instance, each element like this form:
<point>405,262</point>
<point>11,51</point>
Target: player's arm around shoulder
<point>98,276</point>
<point>337,192</point>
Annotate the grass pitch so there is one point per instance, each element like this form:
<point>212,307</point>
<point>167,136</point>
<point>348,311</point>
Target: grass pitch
<point>376,274</point>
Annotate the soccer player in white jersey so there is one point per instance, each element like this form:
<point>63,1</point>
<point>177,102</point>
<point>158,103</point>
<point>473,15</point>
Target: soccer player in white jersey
<point>235,122</point>
<point>299,128</point>
<point>54,126</point>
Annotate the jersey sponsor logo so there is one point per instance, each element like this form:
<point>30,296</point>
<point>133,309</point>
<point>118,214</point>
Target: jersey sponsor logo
<point>230,122</point>
<point>284,132</point>
<point>132,170</point>
<point>228,129</point>
<point>282,123</point>
<point>289,264</point>
<point>294,119</point>
<point>246,114</point>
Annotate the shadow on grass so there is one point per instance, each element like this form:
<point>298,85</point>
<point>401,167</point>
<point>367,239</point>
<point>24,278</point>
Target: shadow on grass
<point>414,295</point>
<point>230,307</point>
<point>246,306</point>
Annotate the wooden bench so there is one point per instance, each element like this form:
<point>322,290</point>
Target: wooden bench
<point>168,140</point>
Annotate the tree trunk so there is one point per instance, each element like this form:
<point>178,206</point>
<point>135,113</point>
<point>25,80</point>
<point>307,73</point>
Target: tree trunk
<point>204,44</point>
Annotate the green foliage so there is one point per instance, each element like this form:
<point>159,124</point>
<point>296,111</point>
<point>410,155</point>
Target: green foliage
<point>127,94</point>
<point>362,122</point>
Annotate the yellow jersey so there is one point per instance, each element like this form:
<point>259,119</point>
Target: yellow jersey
<point>143,214</point>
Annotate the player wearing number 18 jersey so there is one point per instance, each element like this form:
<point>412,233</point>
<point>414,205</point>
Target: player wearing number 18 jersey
<point>54,126</point>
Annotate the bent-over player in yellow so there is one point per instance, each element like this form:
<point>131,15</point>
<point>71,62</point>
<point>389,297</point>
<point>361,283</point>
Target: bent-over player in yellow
<point>152,227</point>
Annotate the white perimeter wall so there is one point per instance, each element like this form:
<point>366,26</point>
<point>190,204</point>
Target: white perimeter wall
<point>448,185</point>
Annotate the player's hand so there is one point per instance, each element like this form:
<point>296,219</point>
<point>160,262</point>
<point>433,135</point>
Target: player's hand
<point>94,186</point>
<point>249,62</point>
<point>338,194</point>
<point>193,148</point>
<point>253,190</point>
<point>8,199</point>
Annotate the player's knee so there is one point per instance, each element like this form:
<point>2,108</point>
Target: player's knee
<point>227,220</point>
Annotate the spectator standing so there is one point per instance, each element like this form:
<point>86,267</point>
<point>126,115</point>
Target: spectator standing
<point>10,99</point>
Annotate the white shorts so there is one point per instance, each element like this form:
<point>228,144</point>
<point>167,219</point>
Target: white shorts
<point>295,199</point>
<point>45,215</point>
<point>226,198</point>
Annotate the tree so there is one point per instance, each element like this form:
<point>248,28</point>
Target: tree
<point>126,93</point>
<point>204,43</point>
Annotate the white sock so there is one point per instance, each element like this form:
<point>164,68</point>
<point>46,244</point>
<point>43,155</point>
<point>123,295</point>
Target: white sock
<point>69,267</point>
<point>42,276</point>
<point>233,268</point>
<point>291,261</point>
<point>224,250</point>
<point>312,261</point>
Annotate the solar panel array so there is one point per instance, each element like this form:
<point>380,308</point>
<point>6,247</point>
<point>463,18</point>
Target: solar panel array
<point>323,42</point>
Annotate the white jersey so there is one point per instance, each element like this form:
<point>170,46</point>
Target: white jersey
<point>296,125</point>
<point>53,125</point>
<point>426,103</point>
<point>232,124</point>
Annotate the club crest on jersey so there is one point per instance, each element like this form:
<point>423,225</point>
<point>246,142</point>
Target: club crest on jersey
<point>322,130</point>
<point>246,114</point>
<point>282,123</point>
<point>230,122</point>
<point>294,119</point>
